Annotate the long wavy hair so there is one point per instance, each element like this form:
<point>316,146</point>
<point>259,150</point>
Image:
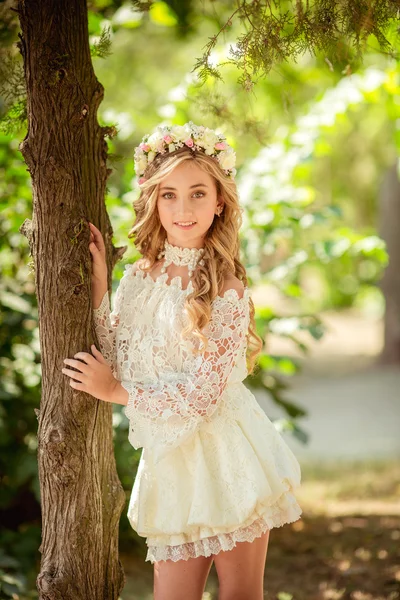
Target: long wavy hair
<point>221,244</point>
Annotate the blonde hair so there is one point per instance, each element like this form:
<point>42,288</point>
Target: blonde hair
<point>221,243</point>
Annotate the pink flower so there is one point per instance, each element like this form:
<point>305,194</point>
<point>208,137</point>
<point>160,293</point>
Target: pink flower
<point>142,180</point>
<point>189,142</point>
<point>144,146</point>
<point>221,146</point>
<point>168,139</point>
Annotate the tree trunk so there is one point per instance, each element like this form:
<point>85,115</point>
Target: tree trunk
<point>389,203</point>
<point>65,151</point>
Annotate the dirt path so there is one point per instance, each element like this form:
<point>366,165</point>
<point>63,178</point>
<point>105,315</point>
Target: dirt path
<point>353,404</point>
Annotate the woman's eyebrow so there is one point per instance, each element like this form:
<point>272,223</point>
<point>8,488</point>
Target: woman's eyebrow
<point>192,186</point>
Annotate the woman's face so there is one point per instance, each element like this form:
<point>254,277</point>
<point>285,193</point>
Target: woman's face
<point>187,194</point>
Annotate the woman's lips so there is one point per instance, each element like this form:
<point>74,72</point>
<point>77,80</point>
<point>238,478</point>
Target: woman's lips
<point>185,226</point>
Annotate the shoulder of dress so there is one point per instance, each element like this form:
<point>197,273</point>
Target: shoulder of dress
<point>231,306</point>
<point>233,285</point>
<point>234,295</point>
<point>133,267</point>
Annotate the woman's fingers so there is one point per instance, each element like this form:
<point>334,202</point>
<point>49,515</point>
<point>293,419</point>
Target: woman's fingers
<point>78,376</point>
<point>97,237</point>
<point>94,229</point>
<point>82,365</point>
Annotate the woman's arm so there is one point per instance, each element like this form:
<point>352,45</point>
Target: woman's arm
<point>106,321</point>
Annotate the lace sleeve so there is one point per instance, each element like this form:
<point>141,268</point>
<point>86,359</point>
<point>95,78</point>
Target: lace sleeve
<point>163,414</point>
<point>106,322</point>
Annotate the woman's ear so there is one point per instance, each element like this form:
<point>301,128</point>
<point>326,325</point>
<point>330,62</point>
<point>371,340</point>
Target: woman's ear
<point>220,207</point>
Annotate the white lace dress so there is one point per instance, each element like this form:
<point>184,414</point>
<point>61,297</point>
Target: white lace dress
<point>214,470</point>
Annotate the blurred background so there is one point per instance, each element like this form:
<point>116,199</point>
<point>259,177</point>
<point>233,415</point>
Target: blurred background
<point>317,145</point>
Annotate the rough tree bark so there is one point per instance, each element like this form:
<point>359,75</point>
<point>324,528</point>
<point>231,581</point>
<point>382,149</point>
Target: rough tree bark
<point>65,151</point>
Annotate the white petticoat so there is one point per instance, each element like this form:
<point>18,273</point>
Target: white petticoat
<point>286,510</point>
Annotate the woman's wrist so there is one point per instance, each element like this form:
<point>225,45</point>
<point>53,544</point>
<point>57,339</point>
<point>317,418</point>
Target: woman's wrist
<point>119,394</point>
<point>98,295</point>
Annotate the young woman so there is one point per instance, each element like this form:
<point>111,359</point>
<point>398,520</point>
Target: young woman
<point>215,476</point>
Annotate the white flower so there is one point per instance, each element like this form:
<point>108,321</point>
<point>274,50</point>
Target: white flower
<point>209,138</point>
<point>208,148</point>
<point>150,156</point>
<point>179,133</point>
<point>155,141</point>
<point>141,164</point>
<point>227,158</point>
<point>191,128</point>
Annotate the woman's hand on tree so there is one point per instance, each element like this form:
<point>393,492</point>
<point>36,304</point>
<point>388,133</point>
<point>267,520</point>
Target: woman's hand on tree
<point>98,252</point>
<point>94,377</point>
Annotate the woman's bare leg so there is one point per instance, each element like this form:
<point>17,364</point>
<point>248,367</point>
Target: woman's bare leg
<point>241,570</point>
<point>181,580</point>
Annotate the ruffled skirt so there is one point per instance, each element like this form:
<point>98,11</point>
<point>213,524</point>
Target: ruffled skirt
<point>230,482</point>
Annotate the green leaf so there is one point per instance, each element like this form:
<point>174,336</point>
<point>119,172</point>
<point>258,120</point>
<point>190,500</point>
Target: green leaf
<point>94,22</point>
<point>162,14</point>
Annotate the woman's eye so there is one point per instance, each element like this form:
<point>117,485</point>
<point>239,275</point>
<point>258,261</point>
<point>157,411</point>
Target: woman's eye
<point>168,193</point>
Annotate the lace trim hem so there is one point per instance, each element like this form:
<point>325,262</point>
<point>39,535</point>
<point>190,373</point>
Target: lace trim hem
<point>227,541</point>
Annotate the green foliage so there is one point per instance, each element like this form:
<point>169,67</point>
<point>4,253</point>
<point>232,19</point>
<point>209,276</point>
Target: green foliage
<point>20,376</point>
<point>18,575</point>
<point>13,111</point>
<point>101,47</point>
<point>12,82</point>
<point>265,35</point>
<point>161,14</point>
<point>15,119</point>
<point>275,33</point>
<point>287,217</point>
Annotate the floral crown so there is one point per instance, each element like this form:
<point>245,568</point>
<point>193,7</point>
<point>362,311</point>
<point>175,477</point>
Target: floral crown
<point>167,138</point>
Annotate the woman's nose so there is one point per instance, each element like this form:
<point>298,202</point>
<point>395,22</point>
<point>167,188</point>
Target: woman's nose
<point>183,206</point>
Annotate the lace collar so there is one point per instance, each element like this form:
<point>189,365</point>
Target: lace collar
<point>176,284</point>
